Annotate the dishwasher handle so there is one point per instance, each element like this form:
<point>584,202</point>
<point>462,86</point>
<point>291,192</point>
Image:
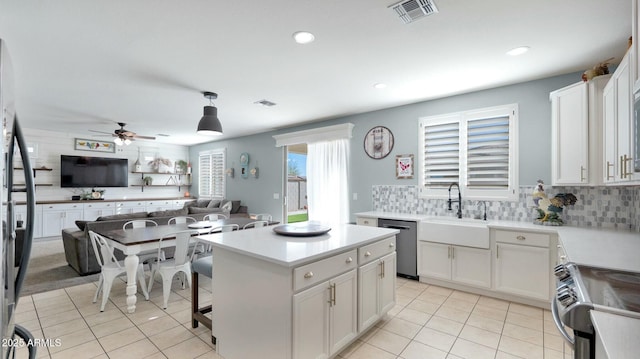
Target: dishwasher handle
<point>396,226</point>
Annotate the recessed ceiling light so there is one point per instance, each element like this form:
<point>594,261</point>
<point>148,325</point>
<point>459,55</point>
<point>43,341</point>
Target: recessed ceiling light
<point>379,86</point>
<point>518,51</point>
<point>303,37</point>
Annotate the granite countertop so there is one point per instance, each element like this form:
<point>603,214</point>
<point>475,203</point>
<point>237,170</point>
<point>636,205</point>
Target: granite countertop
<point>265,244</point>
<point>618,334</point>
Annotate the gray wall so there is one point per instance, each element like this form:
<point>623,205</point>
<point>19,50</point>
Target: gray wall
<point>534,144</point>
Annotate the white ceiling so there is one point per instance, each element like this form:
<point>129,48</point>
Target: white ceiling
<point>83,65</point>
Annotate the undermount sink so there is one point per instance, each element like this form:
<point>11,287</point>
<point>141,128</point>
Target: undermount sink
<point>458,231</point>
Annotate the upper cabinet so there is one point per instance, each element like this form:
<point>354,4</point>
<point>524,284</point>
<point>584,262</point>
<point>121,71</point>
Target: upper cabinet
<point>576,145</point>
<point>635,47</point>
<point>618,133</point>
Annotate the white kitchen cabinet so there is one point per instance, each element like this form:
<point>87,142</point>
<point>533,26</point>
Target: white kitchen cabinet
<point>461,264</point>
<point>635,47</point>
<point>127,207</point>
<point>159,205</point>
<point>523,264</point>
<point>20,214</point>
<point>367,221</point>
<point>325,317</point>
<point>93,210</point>
<point>576,143</point>
<point>376,290</point>
<point>56,217</point>
<point>618,131</point>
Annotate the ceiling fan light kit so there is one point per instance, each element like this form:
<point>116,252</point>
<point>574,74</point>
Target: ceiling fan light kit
<point>209,123</point>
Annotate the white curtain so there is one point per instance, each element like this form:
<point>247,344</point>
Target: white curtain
<point>327,182</point>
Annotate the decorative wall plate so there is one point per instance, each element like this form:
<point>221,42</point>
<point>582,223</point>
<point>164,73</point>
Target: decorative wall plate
<point>378,142</point>
<point>244,158</point>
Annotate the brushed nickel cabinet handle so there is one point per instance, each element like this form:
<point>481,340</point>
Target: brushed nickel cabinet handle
<point>349,260</point>
<point>582,169</point>
<point>609,165</point>
<point>521,238</point>
<point>453,252</point>
<point>308,275</point>
<point>367,254</point>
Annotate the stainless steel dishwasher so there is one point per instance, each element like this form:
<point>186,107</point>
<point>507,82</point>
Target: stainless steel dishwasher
<point>406,246</point>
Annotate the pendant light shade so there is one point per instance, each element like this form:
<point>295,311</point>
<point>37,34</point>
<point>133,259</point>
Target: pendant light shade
<point>209,123</point>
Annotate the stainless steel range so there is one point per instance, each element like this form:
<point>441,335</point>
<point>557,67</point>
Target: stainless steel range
<point>581,289</point>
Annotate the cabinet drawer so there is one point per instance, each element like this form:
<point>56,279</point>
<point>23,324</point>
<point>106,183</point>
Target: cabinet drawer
<point>366,221</point>
<point>130,204</point>
<point>324,269</point>
<point>376,250</point>
<point>62,206</point>
<point>525,238</point>
<point>101,205</point>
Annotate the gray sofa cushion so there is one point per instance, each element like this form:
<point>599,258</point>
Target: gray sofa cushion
<point>122,216</point>
<point>214,203</point>
<point>196,210</point>
<point>173,213</point>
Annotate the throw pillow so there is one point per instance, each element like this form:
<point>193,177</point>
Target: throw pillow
<point>202,203</point>
<point>235,206</point>
<point>81,224</point>
<point>214,204</point>
<point>227,206</point>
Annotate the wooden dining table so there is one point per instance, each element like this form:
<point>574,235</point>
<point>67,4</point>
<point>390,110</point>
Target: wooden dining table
<point>132,241</point>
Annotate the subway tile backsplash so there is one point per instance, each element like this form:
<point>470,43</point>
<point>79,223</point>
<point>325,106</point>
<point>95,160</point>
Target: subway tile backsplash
<point>602,207</point>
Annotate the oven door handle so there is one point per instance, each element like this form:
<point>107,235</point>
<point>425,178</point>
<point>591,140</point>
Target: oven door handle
<point>558,323</point>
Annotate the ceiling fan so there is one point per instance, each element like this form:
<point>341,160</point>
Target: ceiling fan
<point>123,136</point>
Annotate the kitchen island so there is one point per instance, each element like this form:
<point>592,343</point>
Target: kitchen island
<point>276,296</point>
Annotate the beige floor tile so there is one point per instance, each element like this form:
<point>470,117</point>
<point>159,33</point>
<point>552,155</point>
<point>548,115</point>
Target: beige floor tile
<point>444,325</point>
<point>56,331</point>
<point>117,340</point>
<point>402,327</point>
<point>182,316</point>
<point>54,310</point>
<point>422,306</point>
<point>73,339</point>
<point>159,355</point>
<point>520,348</point>
<point>31,325</point>
<point>368,351</point>
<point>158,325</point>
<point>470,350</point>
<point>466,296</point>
<point>417,350</point>
<point>439,290</point>
<point>389,342</point>
<point>436,339</point>
<point>485,323</point>
<point>480,336</point>
<point>103,317</point>
<point>552,354</point>
<point>452,314</point>
<point>174,336</point>
<point>503,355</point>
<point>527,310</point>
<point>490,312</point>
<point>414,316</point>
<point>114,326</point>
<point>147,315</point>
<point>493,303</point>
<point>139,349</point>
<point>451,356</point>
<point>403,300</point>
<point>415,285</point>
<point>525,334</point>
<point>409,292</point>
<point>191,348</point>
<point>346,352</point>
<point>87,350</point>
<point>25,316</point>
<point>60,318</point>
<point>553,342</point>
<point>459,304</point>
<point>524,321</point>
<point>430,297</point>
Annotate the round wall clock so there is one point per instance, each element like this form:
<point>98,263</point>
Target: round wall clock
<point>378,142</point>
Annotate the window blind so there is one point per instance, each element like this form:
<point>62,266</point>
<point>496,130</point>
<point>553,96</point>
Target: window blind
<point>441,154</point>
<point>488,152</point>
<point>211,179</point>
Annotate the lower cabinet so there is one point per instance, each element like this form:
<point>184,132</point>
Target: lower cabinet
<point>376,290</point>
<point>20,214</point>
<point>325,317</point>
<point>523,264</point>
<point>94,210</point>
<point>461,264</point>
<point>56,217</point>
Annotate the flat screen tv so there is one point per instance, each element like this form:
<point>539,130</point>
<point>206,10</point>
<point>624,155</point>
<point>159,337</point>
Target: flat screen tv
<point>83,171</point>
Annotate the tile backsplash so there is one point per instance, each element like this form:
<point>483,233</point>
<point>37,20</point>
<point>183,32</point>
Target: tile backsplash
<point>603,207</point>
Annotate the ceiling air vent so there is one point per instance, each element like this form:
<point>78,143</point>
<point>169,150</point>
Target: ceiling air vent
<point>265,103</point>
<point>412,10</point>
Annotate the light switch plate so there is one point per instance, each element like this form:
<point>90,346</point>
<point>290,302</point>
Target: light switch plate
<point>276,196</point>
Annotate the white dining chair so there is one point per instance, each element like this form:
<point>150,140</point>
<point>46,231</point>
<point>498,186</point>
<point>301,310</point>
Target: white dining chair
<point>263,217</point>
<point>111,268</point>
<point>214,217</point>
<point>181,219</point>
<point>255,224</point>
<point>180,263</point>
<point>150,255</point>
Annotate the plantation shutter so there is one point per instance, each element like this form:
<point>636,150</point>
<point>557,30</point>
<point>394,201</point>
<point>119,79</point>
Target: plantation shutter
<point>211,179</point>
<point>441,153</point>
<point>488,152</point>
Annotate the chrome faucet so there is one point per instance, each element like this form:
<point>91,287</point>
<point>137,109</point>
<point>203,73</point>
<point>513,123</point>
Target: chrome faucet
<point>485,209</point>
<point>459,199</point>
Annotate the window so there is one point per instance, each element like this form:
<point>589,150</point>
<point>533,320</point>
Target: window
<point>477,149</point>
<point>211,179</point>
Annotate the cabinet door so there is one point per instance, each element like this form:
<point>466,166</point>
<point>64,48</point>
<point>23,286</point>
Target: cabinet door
<point>311,322</point>
<point>435,260</point>
<point>387,288</point>
<point>609,135</point>
<point>70,217</point>
<point>471,266</point>
<point>20,214</point>
<point>570,135</point>
<point>624,128</point>
<point>52,223</point>
<point>522,270</point>
<point>343,313</point>
<point>368,283</point>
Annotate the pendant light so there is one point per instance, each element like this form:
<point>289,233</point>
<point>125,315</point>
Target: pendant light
<point>209,123</point>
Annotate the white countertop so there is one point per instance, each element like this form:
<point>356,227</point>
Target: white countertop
<point>618,334</point>
<point>265,244</point>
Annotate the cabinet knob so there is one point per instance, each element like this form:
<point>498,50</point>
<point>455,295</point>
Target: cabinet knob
<point>391,245</point>
<point>308,275</point>
<point>521,238</point>
<point>366,222</point>
<point>349,260</point>
<point>367,254</point>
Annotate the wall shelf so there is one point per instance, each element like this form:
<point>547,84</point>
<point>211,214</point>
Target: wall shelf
<point>178,175</point>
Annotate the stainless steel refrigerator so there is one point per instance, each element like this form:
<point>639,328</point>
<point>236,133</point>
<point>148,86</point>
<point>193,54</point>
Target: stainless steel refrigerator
<point>14,264</point>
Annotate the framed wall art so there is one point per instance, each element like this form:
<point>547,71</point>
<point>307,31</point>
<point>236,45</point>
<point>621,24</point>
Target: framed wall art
<point>82,144</point>
<point>404,166</point>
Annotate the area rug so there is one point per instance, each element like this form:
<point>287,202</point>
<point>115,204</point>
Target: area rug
<point>48,268</point>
